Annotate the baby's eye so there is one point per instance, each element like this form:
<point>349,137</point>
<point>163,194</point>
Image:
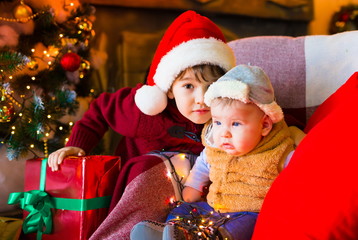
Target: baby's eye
<point>217,123</point>
<point>235,124</point>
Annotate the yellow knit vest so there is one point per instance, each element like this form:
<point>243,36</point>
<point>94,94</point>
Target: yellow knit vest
<point>241,183</point>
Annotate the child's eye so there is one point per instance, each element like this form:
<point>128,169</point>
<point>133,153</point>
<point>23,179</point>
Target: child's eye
<point>188,86</point>
<point>217,123</point>
<point>235,124</point>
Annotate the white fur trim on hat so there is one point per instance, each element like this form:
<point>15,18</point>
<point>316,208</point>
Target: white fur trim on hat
<point>151,100</point>
<point>273,110</point>
<point>191,53</point>
<point>229,89</point>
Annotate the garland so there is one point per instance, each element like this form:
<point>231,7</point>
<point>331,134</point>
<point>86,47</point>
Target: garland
<point>346,19</point>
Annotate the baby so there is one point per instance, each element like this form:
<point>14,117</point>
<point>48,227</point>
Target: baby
<point>245,143</point>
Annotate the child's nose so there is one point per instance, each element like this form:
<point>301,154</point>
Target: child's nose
<point>199,96</point>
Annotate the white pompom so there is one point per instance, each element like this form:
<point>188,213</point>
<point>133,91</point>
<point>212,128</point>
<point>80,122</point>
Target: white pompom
<point>151,100</point>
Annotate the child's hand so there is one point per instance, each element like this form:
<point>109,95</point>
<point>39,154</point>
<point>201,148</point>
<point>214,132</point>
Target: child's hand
<point>191,194</point>
<point>56,158</point>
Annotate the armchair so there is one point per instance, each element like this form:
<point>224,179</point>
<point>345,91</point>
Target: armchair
<point>315,197</point>
<point>304,71</point>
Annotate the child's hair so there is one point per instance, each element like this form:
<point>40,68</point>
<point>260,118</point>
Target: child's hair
<point>211,75</point>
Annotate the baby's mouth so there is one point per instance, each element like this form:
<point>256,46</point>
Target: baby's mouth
<point>227,146</point>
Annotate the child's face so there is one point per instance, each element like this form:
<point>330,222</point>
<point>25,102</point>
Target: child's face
<point>188,92</point>
<point>238,127</point>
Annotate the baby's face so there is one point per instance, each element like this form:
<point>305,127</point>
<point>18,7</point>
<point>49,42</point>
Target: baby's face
<point>238,127</point>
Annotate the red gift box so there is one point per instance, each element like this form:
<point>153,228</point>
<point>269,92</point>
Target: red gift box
<point>84,182</point>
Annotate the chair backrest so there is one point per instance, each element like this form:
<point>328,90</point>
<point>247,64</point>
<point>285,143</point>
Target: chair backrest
<point>305,70</point>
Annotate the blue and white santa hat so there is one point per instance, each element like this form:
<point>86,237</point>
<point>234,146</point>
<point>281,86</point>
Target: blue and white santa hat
<point>248,84</point>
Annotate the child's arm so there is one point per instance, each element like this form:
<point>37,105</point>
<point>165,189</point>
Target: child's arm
<point>56,158</point>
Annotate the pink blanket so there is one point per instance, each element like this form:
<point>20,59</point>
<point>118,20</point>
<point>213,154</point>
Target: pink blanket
<point>137,204</point>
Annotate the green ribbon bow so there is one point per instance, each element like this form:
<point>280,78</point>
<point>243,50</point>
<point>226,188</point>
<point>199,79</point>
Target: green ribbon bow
<point>38,204</point>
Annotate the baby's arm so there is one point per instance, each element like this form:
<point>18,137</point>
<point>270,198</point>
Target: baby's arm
<point>191,194</point>
<point>56,158</point>
<point>296,134</point>
<point>198,178</point>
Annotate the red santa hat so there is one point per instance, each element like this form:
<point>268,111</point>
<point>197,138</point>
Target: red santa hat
<point>190,40</point>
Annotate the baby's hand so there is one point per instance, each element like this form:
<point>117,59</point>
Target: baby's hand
<point>56,158</point>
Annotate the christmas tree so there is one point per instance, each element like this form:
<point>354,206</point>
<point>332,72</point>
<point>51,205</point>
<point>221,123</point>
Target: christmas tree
<point>44,67</point>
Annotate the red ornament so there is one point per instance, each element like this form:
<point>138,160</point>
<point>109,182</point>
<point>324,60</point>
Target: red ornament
<point>70,62</point>
<point>344,17</point>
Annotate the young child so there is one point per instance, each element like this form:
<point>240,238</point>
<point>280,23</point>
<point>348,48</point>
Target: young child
<point>191,55</point>
<point>245,143</point>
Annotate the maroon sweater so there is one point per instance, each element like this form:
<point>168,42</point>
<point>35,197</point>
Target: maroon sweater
<point>142,133</point>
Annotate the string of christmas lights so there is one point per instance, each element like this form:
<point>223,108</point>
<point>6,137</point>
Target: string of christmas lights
<point>199,223</point>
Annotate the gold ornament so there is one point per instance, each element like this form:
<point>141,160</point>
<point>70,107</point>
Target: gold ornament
<point>6,108</point>
<point>84,29</point>
<point>22,12</point>
<point>33,65</point>
<point>68,41</point>
<point>84,68</point>
<point>84,24</point>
